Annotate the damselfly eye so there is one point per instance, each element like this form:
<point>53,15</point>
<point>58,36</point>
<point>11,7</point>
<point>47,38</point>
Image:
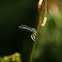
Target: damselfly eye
<point>34,30</point>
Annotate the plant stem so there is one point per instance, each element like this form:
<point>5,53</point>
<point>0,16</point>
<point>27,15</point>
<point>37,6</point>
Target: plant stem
<point>40,17</point>
<point>40,21</point>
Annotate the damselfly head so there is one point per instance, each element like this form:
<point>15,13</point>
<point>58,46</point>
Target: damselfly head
<point>34,30</point>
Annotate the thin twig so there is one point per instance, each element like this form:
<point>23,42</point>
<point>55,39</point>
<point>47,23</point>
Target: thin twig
<point>40,4</point>
<point>45,17</point>
<point>40,17</point>
<point>40,21</point>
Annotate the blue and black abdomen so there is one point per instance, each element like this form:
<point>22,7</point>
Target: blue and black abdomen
<point>33,30</point>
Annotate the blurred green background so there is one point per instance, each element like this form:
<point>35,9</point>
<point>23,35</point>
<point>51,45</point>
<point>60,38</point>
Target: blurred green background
<point>14,13</point>
<point>49,39</point>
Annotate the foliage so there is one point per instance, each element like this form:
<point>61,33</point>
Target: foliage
<point>16,57</point>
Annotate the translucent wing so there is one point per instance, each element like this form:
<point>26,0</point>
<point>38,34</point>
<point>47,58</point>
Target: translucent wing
<point>33,37</point>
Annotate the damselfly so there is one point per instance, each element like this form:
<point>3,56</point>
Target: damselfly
<point>33,30</point>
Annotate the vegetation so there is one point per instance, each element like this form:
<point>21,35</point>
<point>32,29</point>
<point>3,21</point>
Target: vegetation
<point>16,57</point>
<point>47,46</point>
